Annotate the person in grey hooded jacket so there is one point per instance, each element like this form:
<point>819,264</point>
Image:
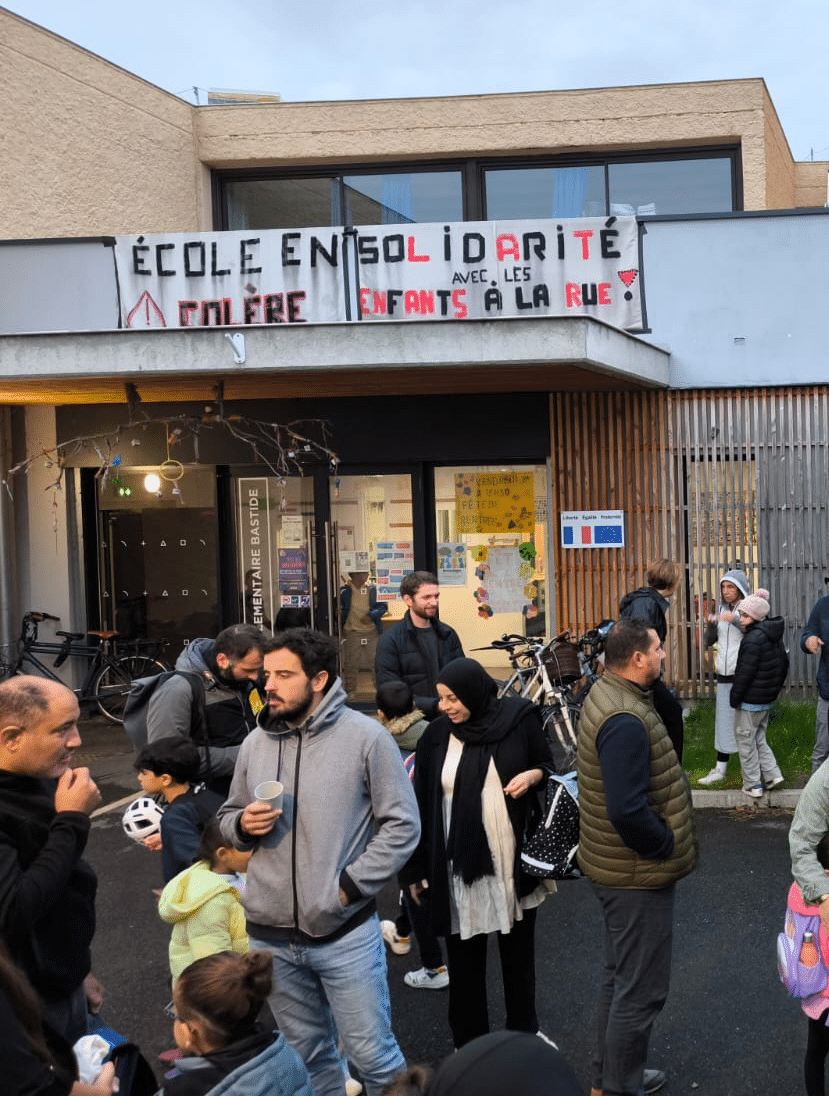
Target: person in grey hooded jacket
<point>230,668</point>
<point>723,629</point>
<point>348,822</point>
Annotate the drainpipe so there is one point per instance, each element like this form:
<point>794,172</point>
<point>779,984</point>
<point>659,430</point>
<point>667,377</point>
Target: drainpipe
<point>8,607</point>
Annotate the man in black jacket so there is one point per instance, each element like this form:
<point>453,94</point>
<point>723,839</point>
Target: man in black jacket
<point>416,648</point>
<point>47,891</point>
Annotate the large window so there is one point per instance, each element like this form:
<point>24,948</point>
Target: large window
<point>684,184</point>
<point>318,201</point>
<point>694,181</point>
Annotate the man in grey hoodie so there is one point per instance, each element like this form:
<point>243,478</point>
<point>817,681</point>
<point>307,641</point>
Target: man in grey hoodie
<point>348,822</point>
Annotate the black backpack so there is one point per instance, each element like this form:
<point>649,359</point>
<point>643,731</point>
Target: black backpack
<point>551,843</point>
<point>138,703</point>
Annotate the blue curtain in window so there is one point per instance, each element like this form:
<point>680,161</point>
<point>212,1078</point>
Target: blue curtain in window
<point>568,191</point>
<point>396,199</point>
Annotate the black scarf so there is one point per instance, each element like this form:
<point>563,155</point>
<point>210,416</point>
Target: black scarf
<point>490,720</point>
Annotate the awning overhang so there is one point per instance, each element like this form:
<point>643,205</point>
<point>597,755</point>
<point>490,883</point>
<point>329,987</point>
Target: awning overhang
<point>539,354</point>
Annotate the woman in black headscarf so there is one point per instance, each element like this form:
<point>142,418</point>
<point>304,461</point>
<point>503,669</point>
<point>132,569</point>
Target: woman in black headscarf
<point>474,765</point>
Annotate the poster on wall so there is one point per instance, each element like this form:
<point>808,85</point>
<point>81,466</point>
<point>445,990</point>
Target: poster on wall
<point>452,564</point>
<point>592,528</point>
<point>255,557</point>
<point>494,502</point>
<point>469,270</point>
<point>504,582</point>
<point>293,571</point>
<point>395,559</point>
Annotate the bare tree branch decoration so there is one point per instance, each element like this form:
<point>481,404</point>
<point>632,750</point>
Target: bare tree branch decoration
<point>282,448</point>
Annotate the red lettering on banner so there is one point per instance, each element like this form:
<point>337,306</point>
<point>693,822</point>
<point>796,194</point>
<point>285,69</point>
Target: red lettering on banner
<point>507,248</point>
<point>573,295</point>
<point>412,257</point>
<point>459,304</point>
<point>379,304</point>
<point>604,293</point>
<point>419,302</point>
<point>185,310</point>
<point>584,235</point>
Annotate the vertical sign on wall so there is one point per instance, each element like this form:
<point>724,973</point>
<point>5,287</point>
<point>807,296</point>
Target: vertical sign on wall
<point>255,555</point>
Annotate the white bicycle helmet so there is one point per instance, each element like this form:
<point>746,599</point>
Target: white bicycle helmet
<point>142,818</point>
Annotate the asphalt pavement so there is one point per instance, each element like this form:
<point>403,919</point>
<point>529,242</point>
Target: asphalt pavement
<point>728,1029</point>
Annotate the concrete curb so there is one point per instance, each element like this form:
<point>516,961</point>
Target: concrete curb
<point>736,797</point>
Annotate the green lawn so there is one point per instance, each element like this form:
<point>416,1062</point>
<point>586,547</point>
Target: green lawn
<point>791,734</point>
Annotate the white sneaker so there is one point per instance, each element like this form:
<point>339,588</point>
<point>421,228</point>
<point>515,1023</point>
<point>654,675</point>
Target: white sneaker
<point>778,780</point>
<point>400,945</point>
<point>755,792</point>
<point>714,777</point>
<point>352,1087</point>
<point>427,979</point>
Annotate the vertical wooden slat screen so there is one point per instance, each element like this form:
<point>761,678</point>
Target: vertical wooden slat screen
<point>713,479</point>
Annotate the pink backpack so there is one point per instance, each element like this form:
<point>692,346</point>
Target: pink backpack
<point>800,980</point>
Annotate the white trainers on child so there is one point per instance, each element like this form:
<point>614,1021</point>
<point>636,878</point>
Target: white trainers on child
<point>427,979</point>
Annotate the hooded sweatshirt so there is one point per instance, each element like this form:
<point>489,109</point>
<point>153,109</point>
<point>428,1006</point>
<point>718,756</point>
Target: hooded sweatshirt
<point>207,917</point>
<point>230,709</point>
<point>728,634</point>
<point>349,820</point>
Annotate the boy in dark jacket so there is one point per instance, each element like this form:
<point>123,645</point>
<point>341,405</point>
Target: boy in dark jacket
<point>170,767</point>
<point>762,666</point>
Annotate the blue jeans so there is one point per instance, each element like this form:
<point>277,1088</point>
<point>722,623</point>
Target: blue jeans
<point>338,986</point>
<point>638,938</point>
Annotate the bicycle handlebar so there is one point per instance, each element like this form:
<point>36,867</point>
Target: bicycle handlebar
<point>39,617</point>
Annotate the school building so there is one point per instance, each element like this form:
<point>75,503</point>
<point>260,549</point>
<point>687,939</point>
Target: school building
<point>528,341</point>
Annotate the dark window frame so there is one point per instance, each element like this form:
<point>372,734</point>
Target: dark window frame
<point>472,171</point>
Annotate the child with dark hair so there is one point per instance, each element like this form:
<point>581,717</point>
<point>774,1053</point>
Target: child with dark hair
<point>169,767</point>
<point>396,710</point>
<point>816,1007</point>
<point>405,723</point>
<point>217,1001</point>
<point>202,903</point>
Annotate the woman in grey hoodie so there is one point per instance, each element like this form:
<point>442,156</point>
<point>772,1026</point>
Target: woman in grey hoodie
<point>725,631</point>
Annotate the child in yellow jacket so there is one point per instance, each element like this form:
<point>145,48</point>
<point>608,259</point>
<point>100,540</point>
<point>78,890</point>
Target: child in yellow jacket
<point>202,903</point>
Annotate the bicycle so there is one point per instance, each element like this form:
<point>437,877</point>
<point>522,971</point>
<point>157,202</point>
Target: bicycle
<point>108,676</point>
<point>556,674</point>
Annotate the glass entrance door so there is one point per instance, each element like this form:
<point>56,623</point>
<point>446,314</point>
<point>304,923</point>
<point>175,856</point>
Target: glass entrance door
<point>277,565</point>
<point>373,548</point>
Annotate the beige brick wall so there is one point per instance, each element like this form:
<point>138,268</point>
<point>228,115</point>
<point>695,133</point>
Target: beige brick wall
<point>87,148</point>
<point>667,115</point>
<point>810,182</point>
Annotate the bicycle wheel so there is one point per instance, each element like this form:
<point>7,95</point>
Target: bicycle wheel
<point>142,666</point>
<point>110,689</point>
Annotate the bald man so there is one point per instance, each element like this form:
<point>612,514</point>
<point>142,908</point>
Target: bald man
<point>47,891</point>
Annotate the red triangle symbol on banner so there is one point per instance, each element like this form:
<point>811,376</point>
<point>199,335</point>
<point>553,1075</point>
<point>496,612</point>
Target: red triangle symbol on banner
<point>628,276</point>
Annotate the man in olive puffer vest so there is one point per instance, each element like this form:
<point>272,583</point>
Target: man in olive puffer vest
<point>637,838</point>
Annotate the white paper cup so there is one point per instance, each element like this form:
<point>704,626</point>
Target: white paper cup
<point>270,792</point>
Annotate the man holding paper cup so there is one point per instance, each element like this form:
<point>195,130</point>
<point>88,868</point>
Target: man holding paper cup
<point>346,824</point>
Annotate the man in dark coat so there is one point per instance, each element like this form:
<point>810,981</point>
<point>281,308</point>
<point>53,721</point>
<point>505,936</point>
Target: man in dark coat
<point>650,604</point>
<point>416,648</point>
<point>47,891</point>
